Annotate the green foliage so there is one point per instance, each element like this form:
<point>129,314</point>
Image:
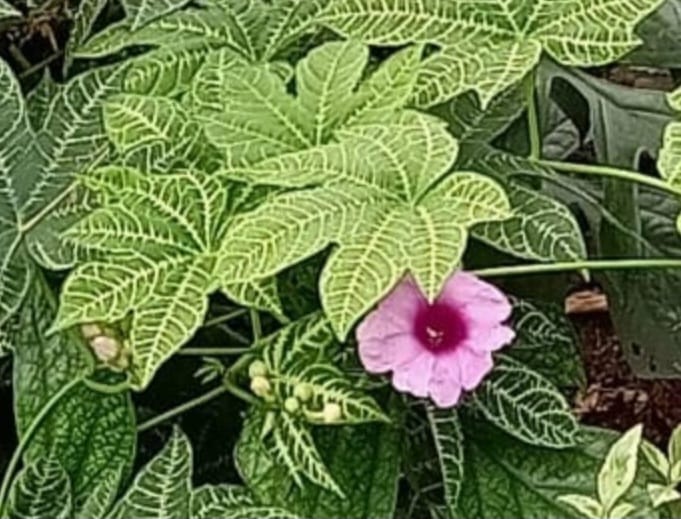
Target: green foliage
<point>42,489</point>
<point>327,148</point>
<point>489,47</point>
<point>526,405</point>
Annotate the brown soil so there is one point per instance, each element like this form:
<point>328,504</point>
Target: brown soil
<point>614,397</point>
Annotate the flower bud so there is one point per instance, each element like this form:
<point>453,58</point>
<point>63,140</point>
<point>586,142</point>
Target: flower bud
<point>332,413</point>
<point>260,386</point>
<point>302,392</point>
<point>90,330</point>
<point>106,349</point>
<point>292,404</point>
<point>257,369</point>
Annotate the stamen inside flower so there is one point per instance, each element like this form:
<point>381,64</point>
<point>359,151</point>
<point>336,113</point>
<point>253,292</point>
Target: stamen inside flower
<point>440,327</point>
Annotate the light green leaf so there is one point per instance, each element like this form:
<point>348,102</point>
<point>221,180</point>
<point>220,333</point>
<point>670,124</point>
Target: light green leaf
<point>488,47</point>
<point>155,134</point>
<point>525,404</point>
<point>674,450</point>
<point>163,487</point>
<point>285,230</point>
<point>250,116</point>
<point>662,494</point>
<point>159,236</point>
<point>656,459</point>
<point>436,247</point>
<point>587,506</point>
<point>7,10</point>
<point>41,489</point>
<point>102,496</point>
<point>261,294</point>
<point>231,502</point>
<point>326,80</point>
<point>619,468</point>
<point>387,90</point>
<point>546,341</point>
<point>367,265</point>
<point>449,442</point>
<point>622,510</point>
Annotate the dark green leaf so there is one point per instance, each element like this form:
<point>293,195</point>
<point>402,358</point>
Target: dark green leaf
<point>508,478</point>
<point>41,490</point>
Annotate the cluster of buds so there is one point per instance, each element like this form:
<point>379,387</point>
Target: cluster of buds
<point>298,403</point>
<point>106,347</point>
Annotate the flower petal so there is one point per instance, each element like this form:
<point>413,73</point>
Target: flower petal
<point>473,366</point>
<point>413,376</point>
<point>485,338</point>
<point>480,301</point>
<point>444,387</point>
<point>395,314</point>
<point>379,354</point>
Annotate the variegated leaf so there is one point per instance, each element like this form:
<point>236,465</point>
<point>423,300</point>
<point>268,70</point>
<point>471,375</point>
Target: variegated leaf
<point>488,46</point>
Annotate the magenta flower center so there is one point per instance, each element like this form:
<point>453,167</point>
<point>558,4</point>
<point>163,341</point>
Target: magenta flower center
<point>440,327</point>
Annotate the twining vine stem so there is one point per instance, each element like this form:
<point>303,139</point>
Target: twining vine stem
<point>190,404</point>
<point>608,171</point>
<point>602,264</point>
<point>28,436</point>
<point>532,117</point>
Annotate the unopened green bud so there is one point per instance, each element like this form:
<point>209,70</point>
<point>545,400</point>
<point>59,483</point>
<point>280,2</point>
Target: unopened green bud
<point>332,413</point>
<point>292,404</point>
<point>302,392</point>
<point>257,369</point>
<point>260,386</point>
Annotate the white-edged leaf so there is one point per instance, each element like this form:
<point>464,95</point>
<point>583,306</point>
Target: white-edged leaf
<point>587,506</point>
<point>662,494</point>
<point>231,502</point>
<point>41,489</point>
<point>489,46</point>
<point>101,497</point>
<point>261,294</point>
<point>619,468</point>
<point>155,134</point>
<point>656,458</point>
<point>141,12</point>
<point>449,439</point>
<point>674,449</point>
<point>158,235</point>
<point>162,488</point>
<point>293,446</point>
<point>326,80</point>
<point>526,405</point>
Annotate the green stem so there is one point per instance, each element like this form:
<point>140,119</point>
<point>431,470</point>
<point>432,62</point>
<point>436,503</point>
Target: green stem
<point>182,408</point>
<point>224,318</point>
<point>256,325</point>
<point>607,264</point>
<point>239,393</point>
<point>28,436</point>
<point>207,352</point>
<point>607,171</point>
<point>532,117</point>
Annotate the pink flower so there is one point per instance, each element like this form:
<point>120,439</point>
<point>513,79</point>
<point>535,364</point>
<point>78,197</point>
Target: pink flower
<point>436,349</point>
